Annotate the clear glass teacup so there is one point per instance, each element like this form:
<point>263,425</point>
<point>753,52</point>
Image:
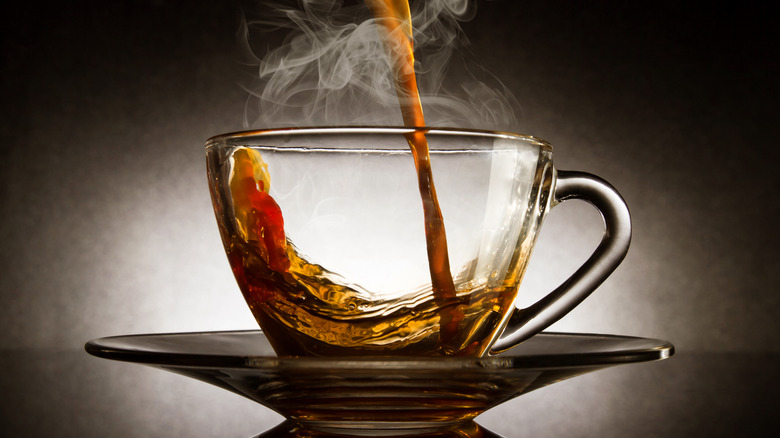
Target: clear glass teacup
<point>325,233</point>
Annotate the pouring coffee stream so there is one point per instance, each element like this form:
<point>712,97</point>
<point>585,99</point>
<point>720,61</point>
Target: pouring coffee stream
<point>395,23</point>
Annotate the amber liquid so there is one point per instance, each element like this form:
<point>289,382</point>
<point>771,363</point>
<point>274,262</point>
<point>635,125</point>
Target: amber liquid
<point>306,310</point>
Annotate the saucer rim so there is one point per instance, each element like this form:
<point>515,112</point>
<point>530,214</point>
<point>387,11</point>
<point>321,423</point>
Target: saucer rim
<point>660,349</point>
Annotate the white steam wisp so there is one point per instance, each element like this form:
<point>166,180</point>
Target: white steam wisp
<point>332,69</point>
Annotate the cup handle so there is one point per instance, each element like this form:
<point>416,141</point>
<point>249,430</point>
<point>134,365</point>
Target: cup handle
<point>527,322</point>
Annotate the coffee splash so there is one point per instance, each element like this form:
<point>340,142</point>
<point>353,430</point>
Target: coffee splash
<point>305,309</point>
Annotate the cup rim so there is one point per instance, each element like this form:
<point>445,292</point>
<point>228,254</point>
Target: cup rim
<point>223,138</point>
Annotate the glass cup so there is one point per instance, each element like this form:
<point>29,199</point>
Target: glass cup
<point>325,231</point>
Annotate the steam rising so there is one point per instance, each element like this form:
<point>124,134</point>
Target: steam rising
<point>332,68</point>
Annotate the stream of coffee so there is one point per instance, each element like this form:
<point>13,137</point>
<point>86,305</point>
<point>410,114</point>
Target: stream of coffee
<point>395,22</point>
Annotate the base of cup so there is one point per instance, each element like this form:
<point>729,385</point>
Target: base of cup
<point>404,410</point>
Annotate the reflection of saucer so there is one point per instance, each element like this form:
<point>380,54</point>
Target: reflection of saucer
<point>290,429</point>
<point>386,395</point>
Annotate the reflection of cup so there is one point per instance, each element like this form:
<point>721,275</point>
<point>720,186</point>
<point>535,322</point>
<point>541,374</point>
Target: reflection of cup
<point>324,231</point>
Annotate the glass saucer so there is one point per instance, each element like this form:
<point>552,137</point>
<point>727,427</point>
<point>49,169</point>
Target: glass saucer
<point>377,396</point>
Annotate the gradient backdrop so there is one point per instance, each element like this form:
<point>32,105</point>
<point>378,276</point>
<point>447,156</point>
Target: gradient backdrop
<point>108,228</point>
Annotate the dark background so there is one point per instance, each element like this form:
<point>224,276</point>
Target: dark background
<point>108,229</point>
